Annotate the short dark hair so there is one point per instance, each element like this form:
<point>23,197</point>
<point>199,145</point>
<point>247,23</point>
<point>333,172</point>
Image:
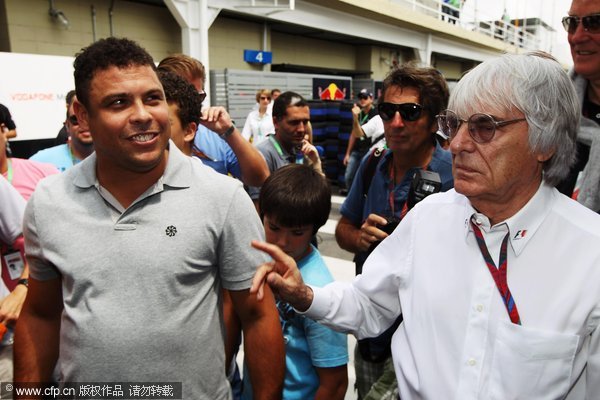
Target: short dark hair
<point>103,54</point>
<point>181,92</point>
<point>432,87</point>
<point>69,97</point>
<point>296,195</point>
<point>285,100</point>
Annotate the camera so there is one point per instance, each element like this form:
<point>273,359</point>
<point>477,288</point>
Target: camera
<point>423,184</point>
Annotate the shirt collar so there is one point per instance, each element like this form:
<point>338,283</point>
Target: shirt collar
<point>177,173</point>
<point>523,224</point>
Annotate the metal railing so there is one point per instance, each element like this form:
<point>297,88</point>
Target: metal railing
<point>477,21</point>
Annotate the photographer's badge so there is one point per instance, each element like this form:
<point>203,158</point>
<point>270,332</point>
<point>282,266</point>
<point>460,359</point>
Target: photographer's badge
<point>15,264</point>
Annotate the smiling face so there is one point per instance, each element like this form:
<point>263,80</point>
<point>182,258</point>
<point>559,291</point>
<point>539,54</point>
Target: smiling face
<point>585,46</point>
<point>128,118</point>
<point>502,173</point>
<point>407,137</point>
<point>295,242</point>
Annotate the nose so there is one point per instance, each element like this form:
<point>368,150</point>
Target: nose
<point>302,126</point>
<point>579,34</point>
<point>397,121</point>
<point>282,241</point>
<point>462,141</point>
<point>140,113</point>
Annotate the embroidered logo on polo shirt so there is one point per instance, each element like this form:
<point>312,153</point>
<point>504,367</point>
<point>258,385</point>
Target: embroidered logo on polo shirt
<point>520,234</point>
<point>171,231</point>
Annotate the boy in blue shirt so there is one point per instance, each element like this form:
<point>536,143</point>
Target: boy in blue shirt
<point>294,203</point>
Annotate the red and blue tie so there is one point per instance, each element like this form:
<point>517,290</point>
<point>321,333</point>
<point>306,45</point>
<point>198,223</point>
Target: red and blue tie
<point>499,274</point>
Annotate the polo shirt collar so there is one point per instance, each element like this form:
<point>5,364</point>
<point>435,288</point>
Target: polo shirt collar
<point>283,155</point>
<point>524,224</point>
<point>177,173</point>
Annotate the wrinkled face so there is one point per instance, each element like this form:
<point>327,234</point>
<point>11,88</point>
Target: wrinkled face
<point>128,118</point>
<point>76,131</point>
<point>585,46</point>
<point>500,170</point>
<point>290,130</point>
<point>295,242</point>
<point>406,137</point>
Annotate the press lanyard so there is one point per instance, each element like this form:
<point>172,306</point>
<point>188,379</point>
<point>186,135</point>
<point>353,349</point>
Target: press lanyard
<point>299,160</point>
<point>499,274</point>
<point>391,197</point>
<point>363,117</point>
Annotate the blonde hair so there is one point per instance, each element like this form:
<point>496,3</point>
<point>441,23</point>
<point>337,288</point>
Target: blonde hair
<point>262,92</point>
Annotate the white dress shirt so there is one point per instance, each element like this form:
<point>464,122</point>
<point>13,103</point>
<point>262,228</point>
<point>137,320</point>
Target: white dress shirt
<point>457,341</point>
<point>257,128</point>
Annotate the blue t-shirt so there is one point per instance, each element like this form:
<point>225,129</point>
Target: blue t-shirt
<point>357,208</point>
<point>221,157</point>
<point>60,156</point>
<point>308,344</point>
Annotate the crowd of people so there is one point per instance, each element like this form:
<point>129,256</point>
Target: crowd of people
<point>127,255</point>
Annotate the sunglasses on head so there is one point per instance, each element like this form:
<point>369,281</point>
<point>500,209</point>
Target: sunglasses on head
<point>481,127</point>
<point>591,23</point>
<point>73,119</point>
<point>408,111</point>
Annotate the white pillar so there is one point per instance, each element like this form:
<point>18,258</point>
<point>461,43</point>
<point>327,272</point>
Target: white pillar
<point>195,17</point>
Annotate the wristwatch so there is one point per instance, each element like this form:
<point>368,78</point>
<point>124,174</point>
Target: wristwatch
<point>24,282</point>
<point>228,132</point>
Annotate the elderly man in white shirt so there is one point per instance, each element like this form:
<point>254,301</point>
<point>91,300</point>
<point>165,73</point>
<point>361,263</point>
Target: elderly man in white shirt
<point>498,280</point>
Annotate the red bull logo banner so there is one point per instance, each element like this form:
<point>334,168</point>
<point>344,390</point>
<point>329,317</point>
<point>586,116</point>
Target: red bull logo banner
<point>328,89</point>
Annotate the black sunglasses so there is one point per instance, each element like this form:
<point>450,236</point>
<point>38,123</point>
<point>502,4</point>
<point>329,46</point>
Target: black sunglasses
<point>408,111</point>
<point>481,127</point>
<point>73,119</point>
<point>591,23</point>
<point>202,95</point>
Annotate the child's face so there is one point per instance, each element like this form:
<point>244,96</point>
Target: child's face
<point>295,241</point>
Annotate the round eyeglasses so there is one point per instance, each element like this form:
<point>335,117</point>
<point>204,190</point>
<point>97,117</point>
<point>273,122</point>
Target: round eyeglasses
<point>481,127</point>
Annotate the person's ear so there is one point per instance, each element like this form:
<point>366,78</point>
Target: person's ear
<point>543,157</point>
<point>82,115</point>
<point>190,132</point>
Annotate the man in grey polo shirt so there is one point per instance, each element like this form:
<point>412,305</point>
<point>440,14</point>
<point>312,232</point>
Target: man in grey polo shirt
<point>128,250</point>
<point>291,117</point>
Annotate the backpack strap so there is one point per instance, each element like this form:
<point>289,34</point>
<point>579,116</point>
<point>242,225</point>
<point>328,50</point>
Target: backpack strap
<point>369,170</point>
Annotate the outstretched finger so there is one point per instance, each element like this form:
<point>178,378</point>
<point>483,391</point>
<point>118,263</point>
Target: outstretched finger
<point>259,280</point>
<point>272,250</point>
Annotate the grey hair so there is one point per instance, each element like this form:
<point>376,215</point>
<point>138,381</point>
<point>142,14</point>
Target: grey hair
<point>536,85</point>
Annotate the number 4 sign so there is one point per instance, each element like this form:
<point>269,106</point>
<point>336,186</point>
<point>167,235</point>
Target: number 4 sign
<point>258,57</point>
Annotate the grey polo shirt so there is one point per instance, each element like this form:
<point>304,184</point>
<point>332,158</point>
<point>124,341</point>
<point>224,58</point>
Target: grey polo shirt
<point>141,286</point>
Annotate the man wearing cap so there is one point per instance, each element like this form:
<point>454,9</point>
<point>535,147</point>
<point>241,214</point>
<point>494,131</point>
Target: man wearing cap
<point>358,146</point>
<point>410,100</point>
